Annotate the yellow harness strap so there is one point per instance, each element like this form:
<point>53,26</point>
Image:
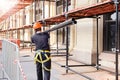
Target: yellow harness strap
<point>38,53</point>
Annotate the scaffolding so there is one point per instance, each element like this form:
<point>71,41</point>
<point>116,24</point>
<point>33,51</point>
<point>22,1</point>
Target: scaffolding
<point>89,12</point>
<point>92,11</point>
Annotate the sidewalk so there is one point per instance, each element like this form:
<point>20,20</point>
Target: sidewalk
<point>58,72</point>
<point>27,63</point>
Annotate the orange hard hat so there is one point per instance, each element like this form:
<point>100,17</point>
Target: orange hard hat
<point>37,25</point>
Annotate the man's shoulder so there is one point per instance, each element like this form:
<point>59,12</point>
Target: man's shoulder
<point>33,36</point>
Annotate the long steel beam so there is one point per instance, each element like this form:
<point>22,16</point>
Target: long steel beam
<point>62,25</point>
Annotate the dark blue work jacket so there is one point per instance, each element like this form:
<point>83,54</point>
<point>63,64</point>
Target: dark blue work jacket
<point>41,41</point>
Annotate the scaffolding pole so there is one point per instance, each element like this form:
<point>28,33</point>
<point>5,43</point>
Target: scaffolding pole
<point>116,2</point>
<point>67,39</point>
<point>67,66</point>
<point>116,40</point>
<point>97,53</point>
<point>57,31</point>
<point>62,25</point>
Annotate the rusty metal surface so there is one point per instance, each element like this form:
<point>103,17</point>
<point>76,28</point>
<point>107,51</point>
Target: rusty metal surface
<point>82,12</point>
<point>88,11</point>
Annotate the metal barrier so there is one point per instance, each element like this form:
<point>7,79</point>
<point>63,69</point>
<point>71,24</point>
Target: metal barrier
<point>10,61</point>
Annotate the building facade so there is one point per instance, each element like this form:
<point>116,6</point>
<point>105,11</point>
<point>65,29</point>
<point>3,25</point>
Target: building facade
<point>82,36</point>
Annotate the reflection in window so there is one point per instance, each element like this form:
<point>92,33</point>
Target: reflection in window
<point>109,31</point>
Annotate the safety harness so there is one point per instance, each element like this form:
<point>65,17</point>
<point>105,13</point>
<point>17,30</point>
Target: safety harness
<point>39,54</point>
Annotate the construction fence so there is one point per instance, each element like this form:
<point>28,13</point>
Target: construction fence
<point>10,64</point>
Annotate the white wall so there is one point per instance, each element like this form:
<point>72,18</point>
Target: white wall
<point>84,41</point>
<point>84,38</point>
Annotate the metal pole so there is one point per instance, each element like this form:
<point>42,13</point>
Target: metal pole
<point>67,39</point>
<point>97,65</point>
<point>34,19</point>
<point>57,30</point>
<point>23,28</point>
<point>63,31</point>
<point>117,39</point>
<point>35,10</point>
<point>31,41</point>
<point>23,38</point>
<point>57,42</point>
<point>43,11</point>
<point>62,25</point>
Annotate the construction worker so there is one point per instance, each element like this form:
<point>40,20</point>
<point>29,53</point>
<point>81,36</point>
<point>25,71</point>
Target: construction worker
<point>42,52</point>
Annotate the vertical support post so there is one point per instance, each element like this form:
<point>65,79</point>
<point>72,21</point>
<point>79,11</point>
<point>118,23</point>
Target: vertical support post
<point>6,31</point>
<point>67,39</point>
<point>23,28</point>
<point>16,31</point>
<point>57,29</point>
<point>97,54</point>
<point>63,1</point>
<point>23,38</point>
<point>34,19</point>
<point>43,12</point>
<point>31,41</point>
<point>19,19</point>
<point>43,9</point>
<point>35,10</point>
<point>117,40</point>
<point>57,42</point>
<point>15,26</point>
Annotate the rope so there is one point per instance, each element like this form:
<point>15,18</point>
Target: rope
<point>19,65</point>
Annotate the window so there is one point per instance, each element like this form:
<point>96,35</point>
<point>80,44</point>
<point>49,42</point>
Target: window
<point>60,2</point>
<point>62,32</point>
<point>109,31</point>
